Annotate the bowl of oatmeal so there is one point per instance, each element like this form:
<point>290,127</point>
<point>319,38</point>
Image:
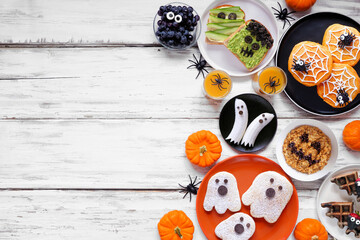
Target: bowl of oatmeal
<point>307,149</point>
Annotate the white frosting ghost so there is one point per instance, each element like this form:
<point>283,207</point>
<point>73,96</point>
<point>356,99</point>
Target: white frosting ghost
<point>222,193</point>
<point>238,226</point>
<point>255,127</point>
<point>240,123</point>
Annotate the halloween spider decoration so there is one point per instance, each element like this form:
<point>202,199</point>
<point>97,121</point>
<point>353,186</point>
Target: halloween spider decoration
<point>190,188</point>
<point>272,84</point>
<point>300,65</point>
<point>283,14</point>
<point>219,81</point>
<point>200,65</point>
<point>346,39</point>
<point>342,97</point>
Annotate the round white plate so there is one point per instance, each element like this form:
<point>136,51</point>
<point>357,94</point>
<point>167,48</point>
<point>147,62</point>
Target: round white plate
<point>330,192</point>
<point>299,175</point>
<point>218,56</point>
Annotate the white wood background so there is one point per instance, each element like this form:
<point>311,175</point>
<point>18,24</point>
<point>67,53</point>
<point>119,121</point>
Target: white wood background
<point>94,115</point>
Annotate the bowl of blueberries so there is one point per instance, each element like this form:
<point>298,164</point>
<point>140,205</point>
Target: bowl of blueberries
<point>177,26</point>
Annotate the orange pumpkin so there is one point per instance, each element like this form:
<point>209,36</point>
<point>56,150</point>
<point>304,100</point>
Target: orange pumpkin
<point>351,135</point>
<point>310,229</point>
<point>300,5</point>
<point>203,148</point>
<point>175,225</point>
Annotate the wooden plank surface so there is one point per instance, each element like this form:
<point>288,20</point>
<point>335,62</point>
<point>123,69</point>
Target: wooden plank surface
<point>94,22</point>
<point>106,215</point>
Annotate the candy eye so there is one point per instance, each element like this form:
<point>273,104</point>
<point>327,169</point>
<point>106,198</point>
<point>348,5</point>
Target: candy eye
<point>178,18</point>
<point>340,97</point>
<point>352,219</point>
<point>170,15</point>
<point>345,34</point>
<point>357,222</point>
<point>301,63</point>
<point>342,37</point>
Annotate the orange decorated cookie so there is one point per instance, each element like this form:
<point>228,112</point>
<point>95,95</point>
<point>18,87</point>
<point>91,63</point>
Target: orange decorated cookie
<point>310,63</point>
<point>341,88</point>
<point>344,43</point>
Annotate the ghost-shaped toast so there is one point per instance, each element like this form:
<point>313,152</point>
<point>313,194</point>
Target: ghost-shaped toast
<point>222,193</point>
<point>238,226</point>
<point>268,196</point>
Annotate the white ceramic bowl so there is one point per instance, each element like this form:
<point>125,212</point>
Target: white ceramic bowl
<point>299,175</point>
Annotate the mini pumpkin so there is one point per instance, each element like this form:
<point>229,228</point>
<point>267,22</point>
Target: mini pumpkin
<point>203,148</point>
<point>175,225</point>
<point>351,135</point>
<point>300,5</point>
<point>310,229</point>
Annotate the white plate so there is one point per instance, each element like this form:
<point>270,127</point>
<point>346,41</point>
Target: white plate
<point>299,175</point>
<point>330,192</point>
<point>218,56</point>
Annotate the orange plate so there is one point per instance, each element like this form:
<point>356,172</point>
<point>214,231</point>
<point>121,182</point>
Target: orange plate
<point>245,168</point>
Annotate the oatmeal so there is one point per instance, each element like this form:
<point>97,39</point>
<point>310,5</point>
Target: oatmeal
<point>307,149</point>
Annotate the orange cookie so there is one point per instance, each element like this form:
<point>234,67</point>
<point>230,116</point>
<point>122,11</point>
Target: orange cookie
<point>341,88</point>
<point>344,43</point>
<point>310,63</point>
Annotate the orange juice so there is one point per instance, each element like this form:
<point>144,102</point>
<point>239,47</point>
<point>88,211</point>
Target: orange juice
<point>217,84</point>
<point>272,80</point>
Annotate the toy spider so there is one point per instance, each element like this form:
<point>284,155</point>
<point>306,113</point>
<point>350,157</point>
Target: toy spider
<point>200,65</point>
<point>283,14</point>
<point>301,66</point>
<point>219,81</point>
<point>346,39</point>
<point>190,188</point>
<point>342,97</point>
<point>272,84</point>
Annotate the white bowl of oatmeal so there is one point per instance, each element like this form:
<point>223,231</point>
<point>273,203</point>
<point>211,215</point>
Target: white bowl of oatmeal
<point>307,150</point>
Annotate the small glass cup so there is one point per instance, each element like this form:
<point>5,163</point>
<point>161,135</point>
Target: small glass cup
<point>270,81</point>
<point>217,84</point>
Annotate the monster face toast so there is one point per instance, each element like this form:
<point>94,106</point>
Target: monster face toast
<point>250,43</point>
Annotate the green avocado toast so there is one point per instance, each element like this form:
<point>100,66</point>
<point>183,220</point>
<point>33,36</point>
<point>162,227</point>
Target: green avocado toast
<point>250,43</point>
<point>223,21</point>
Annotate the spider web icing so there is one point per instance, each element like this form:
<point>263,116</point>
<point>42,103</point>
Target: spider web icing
<point>339,79</point>
<point>319,63</point>
<point>351,51</point>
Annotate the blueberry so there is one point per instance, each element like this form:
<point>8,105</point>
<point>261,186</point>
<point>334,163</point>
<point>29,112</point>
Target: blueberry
<point>167,29</point>
<point>184,18</point>
<point>197,17</point>
<point>182,29</point>
<point>162,8</point>
<point>171,42</point>
<point>184,8</point>
<point>189,22</point>
<point>181,14</point>
<point>170,34</point>
<point>161,39</point>
<point>175,25</point>
<point>159,22</point>
<point>163,18</point>
<point>164,14</point>
<point>183,39</point>
<point>190,9</point>
<point>161,28</point>
<point>157,33</point>
<point>169,24</point>
<point>179,8</point>
<point>163,34</point>
<point>194,24</point>
<point>190,15</point>
<point>160,13</point>
<point>190,37</point>
<point>186,32</point>
<point>178,35</point>
<point>168,7</point>
<point>191,28</point>
<point>173,8</point>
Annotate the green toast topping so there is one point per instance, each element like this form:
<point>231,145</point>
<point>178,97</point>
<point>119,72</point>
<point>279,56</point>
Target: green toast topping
<point>216,37</point>
<point>251,52</point>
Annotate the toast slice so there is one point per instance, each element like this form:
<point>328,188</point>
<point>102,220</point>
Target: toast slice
<point>217,38</point>
<point>250,43</point>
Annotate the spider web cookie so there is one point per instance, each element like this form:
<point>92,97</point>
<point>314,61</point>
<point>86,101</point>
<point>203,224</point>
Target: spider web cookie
<point>310,63</point>
<point>341,88</point>
<point>344,43</point>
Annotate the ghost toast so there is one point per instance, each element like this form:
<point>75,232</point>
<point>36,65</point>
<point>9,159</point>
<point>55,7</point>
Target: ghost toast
<point>268,195</point>
<point>238,226</point>
<point>222,193</point>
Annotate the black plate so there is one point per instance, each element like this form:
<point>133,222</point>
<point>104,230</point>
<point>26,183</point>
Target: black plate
<point>256,105</point>
<point>311,28</point>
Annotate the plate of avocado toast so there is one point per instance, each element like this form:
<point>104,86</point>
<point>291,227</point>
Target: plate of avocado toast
<point>222,22</point>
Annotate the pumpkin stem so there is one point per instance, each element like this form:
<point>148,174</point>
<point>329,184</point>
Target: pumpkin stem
<point>202,150</point>
<point>315,237</point>
<point>178,232</point>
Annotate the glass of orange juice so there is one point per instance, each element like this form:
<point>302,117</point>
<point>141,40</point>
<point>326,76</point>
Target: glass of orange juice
<point>217,84</point>
<point>271,80</point>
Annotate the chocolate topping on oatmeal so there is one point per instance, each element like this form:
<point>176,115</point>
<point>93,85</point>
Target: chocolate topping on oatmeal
<point>304,137</point>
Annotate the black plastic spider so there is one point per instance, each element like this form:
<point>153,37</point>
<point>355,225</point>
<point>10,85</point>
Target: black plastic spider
<point>346,39</point>
<point>342,97</point>
<point>219,81</point>
<point>283,14</point>
<point>190,188</point>
<point>301,66</point>
<point>272,84</point>
<point>200,65</point>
